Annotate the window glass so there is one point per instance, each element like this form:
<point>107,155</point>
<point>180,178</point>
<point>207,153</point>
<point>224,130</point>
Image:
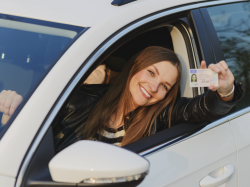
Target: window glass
<point>28,50</point>
<point>232,24</point>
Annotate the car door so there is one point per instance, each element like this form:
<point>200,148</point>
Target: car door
<point>188,157</point>
<point>206,158</point>
<point>231,23</point>
<point>187,162</point>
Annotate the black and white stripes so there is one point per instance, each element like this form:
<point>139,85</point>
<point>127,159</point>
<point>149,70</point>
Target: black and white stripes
<point>112,136</point>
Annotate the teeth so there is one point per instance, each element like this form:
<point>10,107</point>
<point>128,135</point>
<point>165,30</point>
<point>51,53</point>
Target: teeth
<point>146,93</point>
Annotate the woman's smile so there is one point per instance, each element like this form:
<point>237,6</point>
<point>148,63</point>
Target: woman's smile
<point>144,92</point>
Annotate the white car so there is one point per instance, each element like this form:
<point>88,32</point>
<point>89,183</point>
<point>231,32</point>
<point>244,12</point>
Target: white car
<point>49,47</point>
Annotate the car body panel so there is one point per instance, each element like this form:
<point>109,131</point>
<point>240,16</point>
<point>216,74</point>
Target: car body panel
<point>187,162</point>
<point>241,132</point>
<point>7,181</point>
<point>86,12</point>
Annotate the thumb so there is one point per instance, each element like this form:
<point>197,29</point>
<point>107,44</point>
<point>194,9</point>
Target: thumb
<point>203,64</point>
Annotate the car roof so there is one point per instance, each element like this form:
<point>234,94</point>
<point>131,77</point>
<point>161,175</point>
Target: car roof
<point>83,12</point>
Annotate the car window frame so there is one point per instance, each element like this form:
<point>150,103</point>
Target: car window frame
<point>182,23</point>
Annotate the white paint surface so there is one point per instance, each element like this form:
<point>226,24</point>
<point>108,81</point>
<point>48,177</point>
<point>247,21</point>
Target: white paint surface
<point>241,131</point>
<point>187,162</point>
<point>90,159</point>
<point>6,181</point>
<point>85,12</point>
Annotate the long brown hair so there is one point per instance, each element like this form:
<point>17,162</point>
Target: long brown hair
<point>119,95</point>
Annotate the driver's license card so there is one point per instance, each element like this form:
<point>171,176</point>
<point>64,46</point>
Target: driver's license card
<point>203,78</point>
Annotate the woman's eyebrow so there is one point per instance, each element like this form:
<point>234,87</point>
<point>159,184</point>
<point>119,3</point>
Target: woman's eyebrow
<point>156,70</point>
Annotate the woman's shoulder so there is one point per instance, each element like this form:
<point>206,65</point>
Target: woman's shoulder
<point>86,96</point>
<point>94,90</point>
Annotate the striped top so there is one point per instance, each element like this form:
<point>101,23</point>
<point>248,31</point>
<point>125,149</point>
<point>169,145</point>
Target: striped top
<point>112,136</point>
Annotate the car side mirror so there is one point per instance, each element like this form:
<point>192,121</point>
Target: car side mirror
<point>90,162</point>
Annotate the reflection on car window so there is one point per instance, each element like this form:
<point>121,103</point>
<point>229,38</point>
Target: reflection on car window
<point>28,49</point>
<point>232,24</point>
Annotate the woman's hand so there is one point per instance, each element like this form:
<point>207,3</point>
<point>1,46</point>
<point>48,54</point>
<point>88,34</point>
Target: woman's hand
<point>225,79</point>
<point>9,101</point>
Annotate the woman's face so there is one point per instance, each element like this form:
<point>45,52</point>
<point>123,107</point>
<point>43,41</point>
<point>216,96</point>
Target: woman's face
<point>151,84</point>
<point>193,78</point>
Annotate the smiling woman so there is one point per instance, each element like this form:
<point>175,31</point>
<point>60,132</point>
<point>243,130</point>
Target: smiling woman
<point>141,102</point>
<point>139,95</point>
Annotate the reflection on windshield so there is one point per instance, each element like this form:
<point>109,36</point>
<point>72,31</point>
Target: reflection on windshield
<point>232,24</point>
<point>25,56</point>
<point>28,50</point>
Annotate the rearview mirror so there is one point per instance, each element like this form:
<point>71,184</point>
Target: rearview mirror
<point>96,162</point>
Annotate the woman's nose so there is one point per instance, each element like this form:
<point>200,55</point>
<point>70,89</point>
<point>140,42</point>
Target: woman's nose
<point>154,87</point>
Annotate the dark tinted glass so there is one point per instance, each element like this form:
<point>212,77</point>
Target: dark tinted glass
<point>28,50</point>
<point>232,24</point>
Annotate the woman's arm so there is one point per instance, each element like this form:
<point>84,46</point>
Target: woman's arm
<point>206,107</point>
<point>225,79</point>
<point>210,105</point>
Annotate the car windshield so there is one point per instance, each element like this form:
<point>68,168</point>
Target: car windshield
<point>28,50</point>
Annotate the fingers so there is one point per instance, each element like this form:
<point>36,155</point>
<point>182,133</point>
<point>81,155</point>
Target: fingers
<point>18,99</point>
<point>219,68</point>
<point>225,76</point>
<point>2,100</point>
<point>224,65</point>
<point>222,70</point>
<point>203,65</point>
<point>9,101</point>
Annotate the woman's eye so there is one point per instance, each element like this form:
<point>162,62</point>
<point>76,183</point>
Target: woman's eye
<point>165,86</point>
<point>151,72</point>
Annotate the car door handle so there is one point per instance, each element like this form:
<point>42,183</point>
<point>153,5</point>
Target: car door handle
<point>211,181</point>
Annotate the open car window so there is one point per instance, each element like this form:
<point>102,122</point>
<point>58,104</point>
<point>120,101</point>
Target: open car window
<point>168,36</point>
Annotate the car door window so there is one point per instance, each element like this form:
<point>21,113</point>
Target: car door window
<point>168,36</point>
<point>232,24</point>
